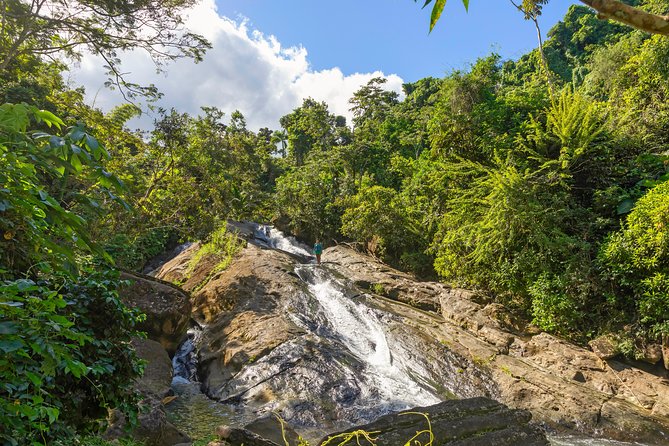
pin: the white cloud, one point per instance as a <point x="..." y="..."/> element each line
<point x="245" y="70"/>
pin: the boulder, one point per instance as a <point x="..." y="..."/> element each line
<point x="652" y="353"/>
<point x="469" y="422"/>
<point x="566" y="387"/>
<point x="258" y="350"/>
<point x="152" y="428"/>
<point x="157" y="378"/>
<point x="270" y="428"/>
<point x="605" y="347"/>
<point x="167" y="309"/>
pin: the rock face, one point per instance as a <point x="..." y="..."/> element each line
<point x="157" y="378"/>
<point x="269" y="344"/>
<point x="272" y="345"/>
<point x="167" y="309"/>
<point x="470" y="422"/>
<point x="564" y="386"/>
<point x="152" y="428"/>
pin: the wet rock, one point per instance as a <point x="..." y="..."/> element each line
<point x="270" y="428"/>
<point x="243" y="437"/>
<point x="564" y="386"/>
<point x="392" y="283"/>
<point x="475" y="421"/>
<point x="269" y="346"/>
<point x="167" y="309"/>
<point x="605" y="347"/>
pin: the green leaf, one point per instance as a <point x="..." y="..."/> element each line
<point x="14" y="117"/>
<point x="626" y="206"/>
<point x="466" y="3"/>
<point x="52" y="413"/>
<point x="48" y="118"/>
<point x="8" y="327"/>
<point x="11" y="346"/>
<point x="34" y="378"/>
<point x="76" y="163"/>
<point x="92" y="143"/>
<point x="76" y="134"/>
<point x="436" y="12"/>
<point x="648" y="183"/>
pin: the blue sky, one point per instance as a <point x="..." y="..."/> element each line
<point x="392" y="35"/>
<point x="267" y="56"/>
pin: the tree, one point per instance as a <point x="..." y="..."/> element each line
<point x="309" y="127"/>
<point x="606" y="9"/>
<point x="54" y="28"/>
<point x="63" y="364"/>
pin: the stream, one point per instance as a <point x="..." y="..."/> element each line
<point x="355" y="361"/>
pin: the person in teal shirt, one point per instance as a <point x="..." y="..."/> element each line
<point x="318" y="250"/>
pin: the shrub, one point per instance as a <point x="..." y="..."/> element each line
<point x="133" y="252"/>
<point x="66" y="356"/>
<point x="637" y="259"/>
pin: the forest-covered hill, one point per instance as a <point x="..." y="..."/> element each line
<point x="546" y="189"/>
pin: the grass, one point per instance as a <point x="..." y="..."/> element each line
<point x="223" y="245"/>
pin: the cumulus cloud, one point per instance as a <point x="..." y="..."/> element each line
<point x="245" y="70"/>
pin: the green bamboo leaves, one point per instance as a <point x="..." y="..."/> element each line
<point x="438" y="8"/>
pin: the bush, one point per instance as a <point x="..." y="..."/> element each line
<point x="64" y="334"/>
<point x="132" y="253"/>
<point x="637" y="259"/>
<point x="66" y="357"/>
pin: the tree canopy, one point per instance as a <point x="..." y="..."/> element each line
<point x="57" y="28"/>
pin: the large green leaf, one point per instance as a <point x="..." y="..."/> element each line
<point x="436" y="12"/>
<point x="14" y="117"/>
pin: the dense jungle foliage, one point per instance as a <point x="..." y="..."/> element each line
<point x="553" y="200"/>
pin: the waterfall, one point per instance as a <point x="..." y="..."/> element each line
<point x="184" y="362"/>
<point x="353" y="361"/>
<point x="363" y="332"/>
<point x="273" y="238"/>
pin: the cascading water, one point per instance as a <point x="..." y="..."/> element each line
<point x="362" y="331"/>
<point x="184" y="362"/>
<point x="353" y="360"/>
<point x="276" y="239"/>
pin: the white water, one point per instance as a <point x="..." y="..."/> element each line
<point x="278" y="240"/>
<point x="184" y="362"/>
<point x="362" y="332"/>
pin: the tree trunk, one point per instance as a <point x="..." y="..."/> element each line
<point x="620" y="12"/>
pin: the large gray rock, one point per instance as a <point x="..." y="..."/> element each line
<point x="476" y="421"/>
<point x="157" y="378"/>
<point x="566" y="387"/>
<point x="153" y="428"/>
<point x="167" y="308"/>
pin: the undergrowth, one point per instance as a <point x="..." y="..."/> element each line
<point x="223" y="245"/>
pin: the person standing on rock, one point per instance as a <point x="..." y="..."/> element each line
<point x="318" y="250"/>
